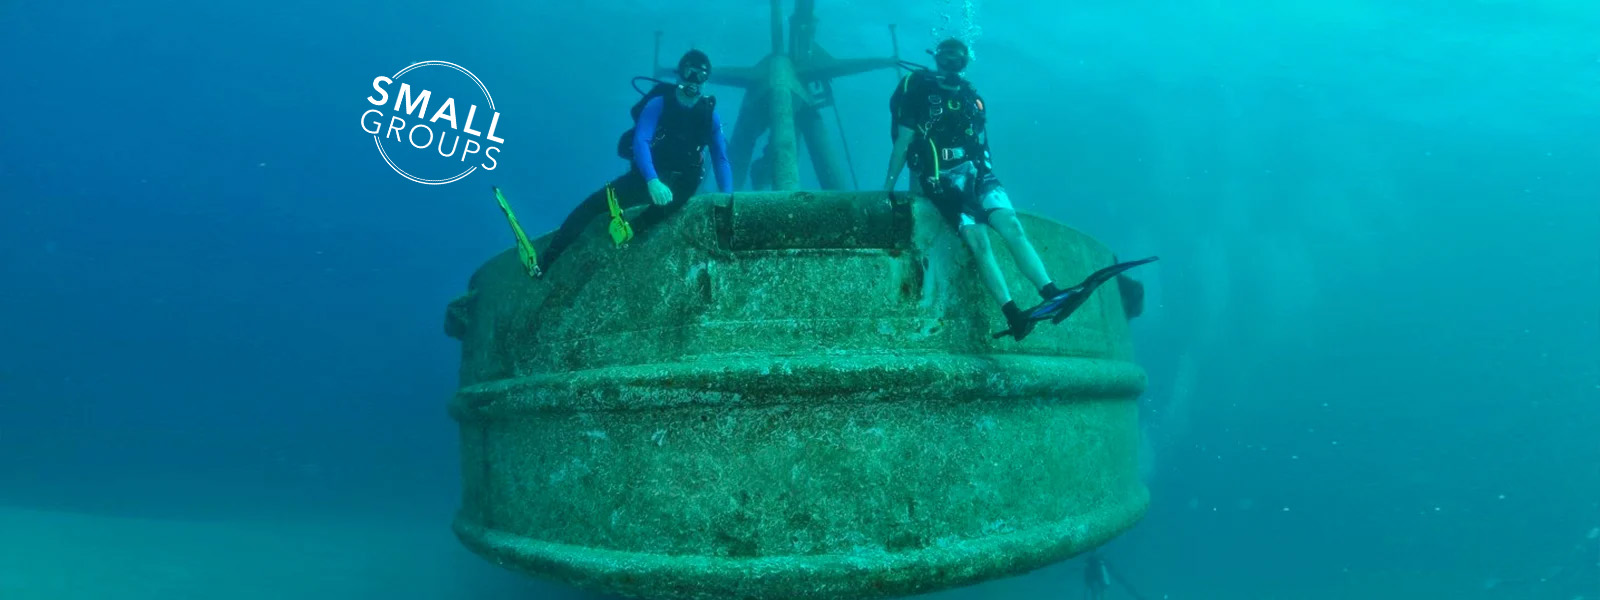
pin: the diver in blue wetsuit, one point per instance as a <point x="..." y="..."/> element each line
<point x="675" y="123"/>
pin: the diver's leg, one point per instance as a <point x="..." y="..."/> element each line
<point x="631" y="191"/>
<point x="975" y="237"/>
<point x="978" y="240"/>
<point x="580" y="217"/>
<point x="1003" y="217"/>
<point x="1006" y="223"/>
<point x="947" y="206"/>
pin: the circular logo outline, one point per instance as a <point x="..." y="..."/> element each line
<point x="379" y="142"/>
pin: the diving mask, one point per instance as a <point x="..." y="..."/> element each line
<point x="692" y="78"/>
<point x="951" y="56"/>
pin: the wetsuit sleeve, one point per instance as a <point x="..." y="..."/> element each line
<point x="719" y="156"/>
<point x="643" y="132"/>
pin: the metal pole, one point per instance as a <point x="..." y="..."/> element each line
<point x="845" y="143"/>
<point x="820" y="145"/>
<point x="750" y="124"/>
<point x="655" y="65"/>
<point x="777" y="27"/>
<point x="894" y="39"/>
<point x="783" y="145"/>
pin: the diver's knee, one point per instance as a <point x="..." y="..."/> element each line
<point x="975" y="237"/>
<point x="1005" y="222"/>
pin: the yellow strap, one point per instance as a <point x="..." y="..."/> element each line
<point x="525" y="253"/>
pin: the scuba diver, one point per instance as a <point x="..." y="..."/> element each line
<point x="938" y="132"/>
<point x="1096" y="578"/>
<point x="674" y="123"/>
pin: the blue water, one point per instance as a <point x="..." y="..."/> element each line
<point x="1373" y="339"/>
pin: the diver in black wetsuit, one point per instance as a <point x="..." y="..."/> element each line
<point x="1096" y="578"/>
<point x="939" y="133"/>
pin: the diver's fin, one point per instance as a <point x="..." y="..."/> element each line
<point x="1068" y="303"/>
<point x="1012" y="332"/>
<point x="1080" y="293"/>
<point x="1044" y="311"/>
<point x="621" y="231"/>
<point x="1020" y="321"/>
<point x="1058" y="308"/>
<point x="1054" y="305"/>
<point x="530" y="259"/>
<point x="1103" y="275"/>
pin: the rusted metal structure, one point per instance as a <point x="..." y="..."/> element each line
<point x="786" y="94"/>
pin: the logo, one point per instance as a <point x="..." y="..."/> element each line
<point x="438" y="147"/>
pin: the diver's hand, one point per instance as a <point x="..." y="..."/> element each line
<point x="659" y="192"/>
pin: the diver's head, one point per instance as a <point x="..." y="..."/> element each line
<point x="951" y="57"/>
<point x="693" y="71"/>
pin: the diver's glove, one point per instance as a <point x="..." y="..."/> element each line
<point x="659" y="192"/>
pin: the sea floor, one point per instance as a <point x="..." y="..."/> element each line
<point x="66" y="556"/>
<point x="56" y="555"/>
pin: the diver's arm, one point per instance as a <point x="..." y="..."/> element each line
<point x="897" y="156"/>
<point x="719" y="156"/>
<point x="643" y="132"/>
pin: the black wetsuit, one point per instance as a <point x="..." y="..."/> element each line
<point x="1096" y="578"/>
<point x="950" y="152"/>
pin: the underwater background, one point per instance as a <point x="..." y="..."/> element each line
<point x="1373" y="339"/>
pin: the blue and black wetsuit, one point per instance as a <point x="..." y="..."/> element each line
<point x="680" y="134"/>
<point x="669" y="143"/>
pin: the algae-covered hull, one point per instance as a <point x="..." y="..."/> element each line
<point x="789" y="395"/>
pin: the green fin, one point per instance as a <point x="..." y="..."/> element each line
<point x="530" y="260"/>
